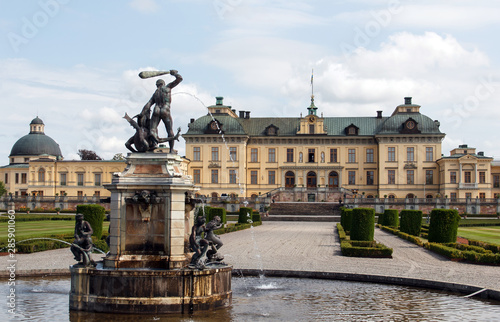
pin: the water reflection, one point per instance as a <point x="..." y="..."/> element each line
<point x="272" y="299"/>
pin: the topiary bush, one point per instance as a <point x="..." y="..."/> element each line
<point x="346" y="218"/>
<point x="203" y="211"/>
<point x="391" y="218"/>
<point x="256" y="217"/>
<point x="443" y="226"/>
<point x="363" y="224"/>
<point x="221" y="212"/>
<point x="411" y="222"/>
<point x="245" y="215"/>
<point x="95" y="215"/>
<point x="380" y="218"/>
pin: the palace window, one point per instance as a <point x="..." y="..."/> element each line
<point x="429" y="154"/>
<point x="453" y="195"/>
<point x="253" y="177"/>
<point x="62" y="179"/>
<point x="197" y="175"/>
<point x="482" y="177"/>
<point x="351" y="155"/>
<point x="310" y="155"/>
<point x="215" y="153"/>
<point x="41" y="175"/>
<point x="482" y="195"/>
<point x="232" y="153"/>
<point x="467" y="177"/>
<point x="429" y="177"/>
<point x="196" y="153"/>
<point x="370" y="177"/>
<point x="453" y="177"/>
<point x="496" y="181"/>
<point x="351" y="176"/>
<point x="369" y="155"/>
<point x="17" y="178"/>
<point x="272" y="177"/>
<point x="333" y="155"/>
<point x="391" y="177"/>
<point x="289" y="155"/>
<point x="215" y="175"/>
<point x="391" y="154"/>
<point x="79" y="177"/>
<point x="24" y="177"/>
<point x="97" y="179"/>
<point x="254" y="155"/>
<point x="410" y="177"/>
<point x="272" y="155"/>
<point x="410" y="154"/>
<point x="232" y="176"/>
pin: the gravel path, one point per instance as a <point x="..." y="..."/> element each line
<point x="306" y="246"/>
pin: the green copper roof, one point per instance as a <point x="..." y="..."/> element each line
<point x="36" y="144"/>
<point x="335" y="126"/>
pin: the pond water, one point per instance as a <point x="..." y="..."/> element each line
<point x="272" y="299"/>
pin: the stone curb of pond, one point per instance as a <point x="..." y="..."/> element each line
<point x="352" y="277"/>
<point x="468" y="290"/>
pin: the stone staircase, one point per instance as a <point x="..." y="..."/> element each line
<point x="304" y="211"/>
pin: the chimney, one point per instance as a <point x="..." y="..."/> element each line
<point x="379" y="114"/>
<point x="218" y="100"/>
<point x="234" y="111"/>
<point x="407" y="100"/>
<point x="481" y="153"/>
<point x="247" y="114"/>
<point x="191" y="121"/>
<point x="242" y="114"/>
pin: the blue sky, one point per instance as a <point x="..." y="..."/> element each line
<point x="75" y="63"/>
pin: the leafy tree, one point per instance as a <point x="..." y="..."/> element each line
<point x="2" y="189"/>
<point x="118" y="157"/>
<point x="88" y="155"/>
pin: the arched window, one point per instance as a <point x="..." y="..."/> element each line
<point x="214" y="195"/>
<point x="428" y="196"/>
<point x="333" y="179"/>
<point x="289" y="179"/>
<point x="311" y="179"/>
<point x="253" y="196"/>
<point x="392" y="196"/>
<point x="41" y="175"/>
<point x="410" y="196"/>
<point x="369" y="197"/>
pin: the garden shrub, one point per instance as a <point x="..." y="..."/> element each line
<point x="203" y="211"/>
<point x="443" y="226"/>
<point x="363" y="224"/>
<point x="346" y="219"/>
<point x="214" y="211"/>
<point x="364" y="249"/>
<point x="341" y="232"/>
<point x="245" y="215"/>
<point x="391" y="218"/>
<point x="485" y="245"/>
<point x="256" y="217"/>
<point x="411" y="222"/>
<point x="380" y="218"/>
<point x="95" y="215"/>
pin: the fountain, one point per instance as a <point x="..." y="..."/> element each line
<point x="147" y="268"/>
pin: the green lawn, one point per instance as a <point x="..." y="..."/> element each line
<point x="489" y="234"/>
<point x="42" y="228"/>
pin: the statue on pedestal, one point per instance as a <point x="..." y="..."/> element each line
<point x="204" y="243"/>
<point x="82" y="246"/>
<point x="146" y="137"/>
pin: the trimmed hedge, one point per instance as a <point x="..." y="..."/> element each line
<point x="363" y="224"/>
<point x="221" y="212"/>
<point x="443" y="226"/>
<point x="451" y="251"/>
<point x="411" y="222"/>
<point x="380" y="217"/>
<point x="341" y="232"/>
<point x="391" y="218"/>
<point x="346" y="218"/>
<point x="38" y="217"/>
<point x="365" y="249"/>
<point x="485" y="245"/>
<point x="256" y="217"/>
<point x="95" y="215"/>
<point x="236" y="227"/>
<point x="203" y="211"/>
<point x="245" y="215"/>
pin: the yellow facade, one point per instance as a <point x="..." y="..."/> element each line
<point x="396" y="157"/>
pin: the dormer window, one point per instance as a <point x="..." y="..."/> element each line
<point x="352" y="130"/>
<point x="271" y="130"/>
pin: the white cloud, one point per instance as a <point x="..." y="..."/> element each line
<point x="144" y="6"/>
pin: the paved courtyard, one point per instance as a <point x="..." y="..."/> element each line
<point x="311" y="247"/>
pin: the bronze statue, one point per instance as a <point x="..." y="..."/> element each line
<point x="82" y="246"/>
<point x="205" y="243"/>
<point x="213" y="239"/>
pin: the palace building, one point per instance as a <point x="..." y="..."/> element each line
<point x="316" y="158"/>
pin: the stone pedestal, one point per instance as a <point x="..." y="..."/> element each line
<point x="149" y="233"/>
<point x="145" y="269"/>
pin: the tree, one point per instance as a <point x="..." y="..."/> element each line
<point x="118" y="157"/>
<point x="2" y="189"/>
<point x="88" y="155"/>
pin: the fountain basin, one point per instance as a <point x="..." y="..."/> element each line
<point x="149" y="290"/>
